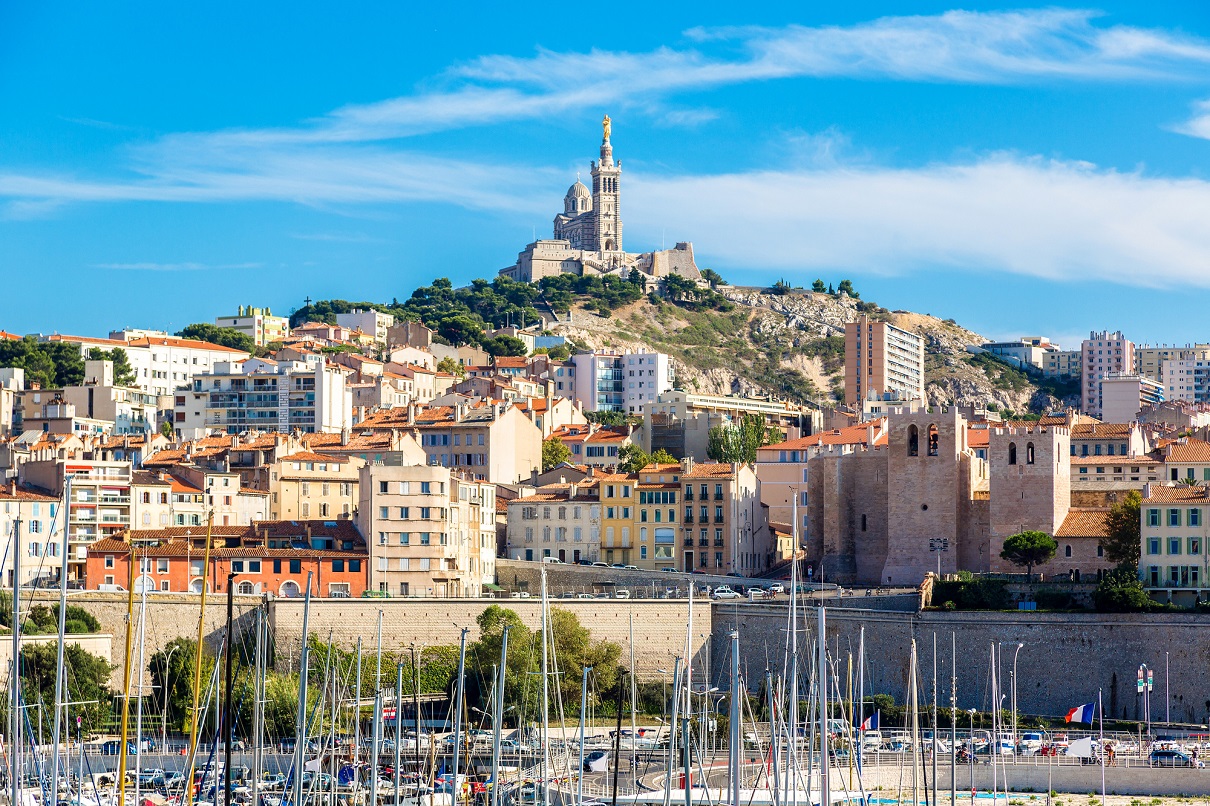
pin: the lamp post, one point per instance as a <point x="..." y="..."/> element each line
<point x="164" y="710"/>
<point x="1014" y="682"/>
<point x="974" y="758"/>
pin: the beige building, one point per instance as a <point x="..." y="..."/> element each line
<point x="723" y="529"/>
<point x="881" y="359"/>
<point x="1102" y="354"/>
<point x="39" y="534"/>
<point x="562" y="521"/>
<point x="1149" y="359"/>
<point x="308" y="485"/>
<point x="1062" y="364"/>
<point x="259" y="323"/>
<point x="431" y="531"/>
<point x="1173" y="535"/>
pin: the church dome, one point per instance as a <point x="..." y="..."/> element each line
<point x="578" y="199"/>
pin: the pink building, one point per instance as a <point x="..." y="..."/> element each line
<point x="1101" y="354"/>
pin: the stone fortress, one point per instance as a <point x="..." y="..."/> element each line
<point x="588" y="234"/>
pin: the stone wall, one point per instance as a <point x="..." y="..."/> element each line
<point x="1066" y="657"/>
<point x="519" y="575"/>
<point x="659" y="625"/>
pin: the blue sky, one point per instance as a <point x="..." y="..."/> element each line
<point x="1036" y="170"/>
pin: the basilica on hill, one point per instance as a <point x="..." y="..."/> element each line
<point x="588" y="233"/>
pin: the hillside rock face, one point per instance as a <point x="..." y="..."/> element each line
<point x="770" y="337"/>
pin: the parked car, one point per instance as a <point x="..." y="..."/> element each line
<point x="777" y="587"/>
<point x="621" y="594"/>
<point x="1173" y="758"/>
<point x="583" y="562"/>
<point x="724" y="592"/>
<point x="552" y="561"/>
<point x="585" y="596"/>
<point x="631" y="567"/>
<point x="599" y="564"/>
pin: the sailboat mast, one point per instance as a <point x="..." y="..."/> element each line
<point x="672" y="715"/>
<point x="821" y="677"/>
<point x="375" y="731"/>
<point x="128" y="660"/>
<point x="229" y="679"/>
<point x="14" y="677"/>
<point x="55" y="731"/>
<point x="300" y="738"/>
<point x="499" y="718"/>
<point x="583" y="713"/>
<point x="258" y="707"/>
<point x="736" y="716"/>
<point x="458" y="693"/>
<point x="196" y="717"/>
<point x="545" y="693"/>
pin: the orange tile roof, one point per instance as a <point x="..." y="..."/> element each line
<point x="181" y="486"/>
<point x="172" y="341"/>
<point x="1177" y="494"/>
<point x="513" y="362"/>
<point x="308" y="456"/>
<point x="849" y="435"/>
<point x="1188" y="450"/>
<point x="88" y="339"/>
<point x="14" y="492"/>
<point x="1115" y="460"/>
<point x="4" y="334"/>
<point x="1084" y="523"/>
<point x="978" y="437"/>
<point x="708" y="470"/>
<point x="1100" y="430"/>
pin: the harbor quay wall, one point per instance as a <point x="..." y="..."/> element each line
<point x="1025" y="777"/>
<point x="659" y="625"/>
<point x="1065" y="659"/>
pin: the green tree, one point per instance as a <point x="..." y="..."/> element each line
<point x="1120" y="591"/>
<point x="171" y="672"/>
<point x="87" y="679"/>
<point x="123" y="372"/>
<point x="504" y="346"/>
<point x="738" y="442"/>
<point x="846" y="287"/>
<point x="663" y="457"/>
<point x="49" y="364"/>
<point x="559" y="353"/>
<point x="713" y="277"/>
<point x="554" y="453"/>
<point x="819" y="286"/>
<point x="632" y="458"/>
<point x="223" y="336"/>
<point x="451" y="366"/>
<point x="166" y="429"/>
<point x="605" y="417"/>
<point x="1029" y="548"/>
<point x="1123" y="531"/>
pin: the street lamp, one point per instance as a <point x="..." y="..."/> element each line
<point x="974" y="758"/>
<point x="164" y="710"/>
<point x="1014" y="682"/>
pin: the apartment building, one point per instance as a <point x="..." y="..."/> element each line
<point x="723" y="530"/>
<point x="307" y="485"/>
<point x="1063" y="364"/>
<point x="626" y="382"/>
<point x="107" y="407"/>
<point x="257" y="323"/>
<point x="1102" y="354"/>
<point x="594" y="445"/>
<point x="1026" y="353"/>
<point x="881" y="358"/>
<point x="38" y="524"/>
<point x="12" y="384"/>
<point x="291" y="396"/>
<point x="680" y="422"/>
<point x="562" y="521"/>
<point x="368" y="321"/>
<point x="431" y="530"/>
<point x="619" y="500"/>
<point x="1173" y="536"/>
<point x="1150" y="360"/>
<point x="277" y="557"/>
<point x="100" y="499"/>
<point x="1124" y="394"/>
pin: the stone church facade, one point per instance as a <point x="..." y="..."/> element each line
<point x="588" y="234"/>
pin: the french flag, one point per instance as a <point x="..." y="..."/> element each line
<point x="871" y="722"/>
<point x="1083" y="713"/>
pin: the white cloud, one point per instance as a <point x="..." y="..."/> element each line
<point x="1043" y="219"/>
<point x="1199" y="124"/>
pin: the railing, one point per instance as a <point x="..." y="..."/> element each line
<point x="687" y="519"/>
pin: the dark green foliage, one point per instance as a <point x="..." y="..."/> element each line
<point x="224" y="336"/>
<point x="846" y="287"/>
<point x="974" y="594"/>
<point x="607" y="292"/>
<point x="1121" y="544"/>
<point x="1120" y="591"/>
<point x="503" y="345"/>
<point x="87" y="679"/>
<point x="738" y="442"/>
<point x="1054" y="599"/>
<point x="687" y="294"/>
<point x="123" y="373"/>
<point x="602" y="417"/>
<point x="713" y="277"/>
<point x="554" y="453"/>
<point x="780" y="287"/>
<point x="829" y="350"/>
<point x="50" y="364"/>
<point x="819" y="286"/>
<point x="632" y="458"/>
<point x="166" y="429"/>
<point x="43" y="620"/>
<point x="558" y="353"/>
<point x="1029" y="548"/>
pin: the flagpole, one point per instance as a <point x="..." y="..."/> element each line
<point x="1101" y="733"/>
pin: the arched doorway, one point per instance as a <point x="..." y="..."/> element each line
<point x="144" y="584"/>
<point x="245" y="587"/>
<point x="195" y="585"/>
<point x="290" y="590"/>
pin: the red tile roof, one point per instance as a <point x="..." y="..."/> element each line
<point x="849" y="435"/>
<point x="309" y="456"/>
<point x="1178" y="494"/>
<point x="708" y="470"/>
<point x="172" y="341"/>
<point x="1188" y="451"/>
<point x="1084" y="523"/>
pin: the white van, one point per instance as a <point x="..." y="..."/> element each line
<point x="552" y="561"/>
<point x="621" y="594"/>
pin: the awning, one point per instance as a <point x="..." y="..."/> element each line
<point x="491" y="586"/>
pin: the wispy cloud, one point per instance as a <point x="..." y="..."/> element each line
<point x="1198" y="124"/>
<point x="146" y="266"/>
<point x="1025" y="216"/>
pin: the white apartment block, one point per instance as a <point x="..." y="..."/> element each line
<point x="624" y="382"/>
<point x="881" y="359"/>
<point x="1150" y="359"/>
<point x="290" y="396"/>
<point x="1123" y="394"/>
<point x="161" y="363"/>
<point x="370" y="322"/>
<point x="431" y="531"/>
<point x="1101" y="354"/>
<point x="258" y="323"/>
<point x="1187" y="379"/>
<point x="562" y="521"/>
<point x="39" y="525"/>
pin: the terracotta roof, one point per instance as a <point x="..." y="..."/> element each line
<point x="172" y="341"/>
<point x="586" y="490"/>
<point x="6" y="336"/>
<point x="308" y="456"/>
<point x="144" y="479"/>
<point x="1179" y="493"/>
<point x="86" y="339"/>
<point x="14" y="492"/>
<point x="181" y="486"/>
<point x="849" y="435"/>
<point x="513" y="362"/>
<point x="1115" y="460"/>
<point x="1188" y="450"/>
<point x="1084" y="523"/>
<point x="978" y="437"/>
<point x="609" y="435"/>
<point x="1100" y="430"/>
<point x="708" y="470"/>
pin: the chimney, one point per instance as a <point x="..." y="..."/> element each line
<point x="572" y="491"/>
<point x="344" y="435"/>
<point x="411" y="413"/>
<point x="459" y="412"/>
<point x="235" y="440"/>
<point x="1147" y="490"/>
<point x="869" y="436"/>
<point x="687" y="464"/>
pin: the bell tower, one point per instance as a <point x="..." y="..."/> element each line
<point x="606" y="206"/>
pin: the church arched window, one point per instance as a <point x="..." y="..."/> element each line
<point x="1012" y="453"/>
<point x="913" y="441"/>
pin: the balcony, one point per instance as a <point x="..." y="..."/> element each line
<point x="115" y="499"/>
<point x="718" y="518"/>
<point x="703" y="542"/>
<point x="688" y="542"/>
<point x="688" y="495"/>
<point x="688" y="519"/>
<point x="718" y="496"/>
<point x="718" y="544"/>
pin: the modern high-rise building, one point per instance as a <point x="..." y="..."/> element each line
<point x="1149" y="359"/>
<point x="259" y="323"/>
<point x="1101" y="354"/>
<point x="881" y="359"/>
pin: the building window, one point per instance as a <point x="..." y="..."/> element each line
<point x="1153" y="545"/>
<point x="1174" y="545"/>
<point x="1195" y="517"/>
<point x="253" y="566"/>
<point x="1174" y="517"/>
<point x="1029" y="453"/>
<point x="913" y="441"/>
<point x="295" y="566"/>
<point x="1067" y="551"/>
<point x="109" y="561"/>
<point x="338" y="566"/>
<point x="1012" y="453"/>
